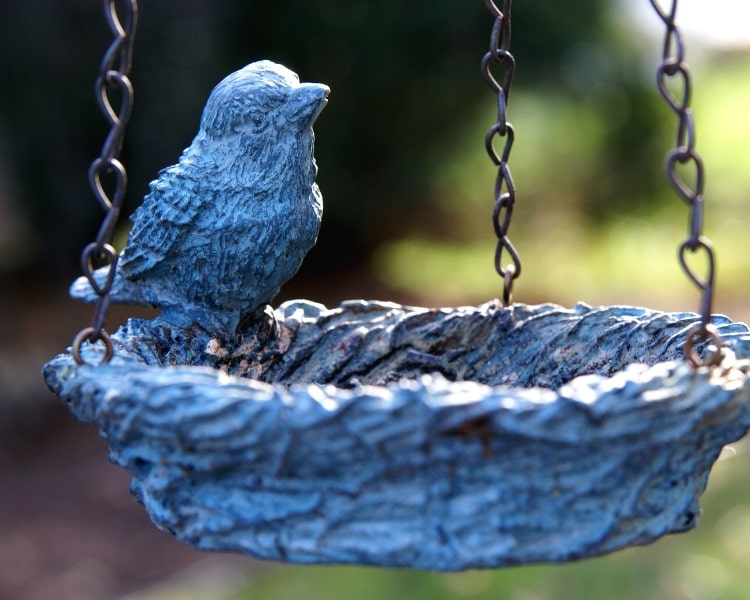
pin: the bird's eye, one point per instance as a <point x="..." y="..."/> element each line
<point x="251" y="123"/>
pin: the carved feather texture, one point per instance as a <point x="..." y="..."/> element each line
<point x="222" y="230"/>
<point x="565" y="434"/>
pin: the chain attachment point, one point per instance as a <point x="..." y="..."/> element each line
<point x="508" y="278"/>
<point x="90" y="334"/>
<point x="703" y="333"/>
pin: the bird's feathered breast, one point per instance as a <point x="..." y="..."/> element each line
<point x="224" y="228"/>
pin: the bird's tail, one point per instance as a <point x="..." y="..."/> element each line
<point x="123" y="291"/>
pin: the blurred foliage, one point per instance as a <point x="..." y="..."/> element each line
<point x="405" y="82"/>
<point x="628" y="258"/>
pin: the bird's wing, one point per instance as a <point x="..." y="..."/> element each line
<point x="162" y="221"/>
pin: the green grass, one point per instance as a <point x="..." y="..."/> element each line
<point x="628" y="262"/>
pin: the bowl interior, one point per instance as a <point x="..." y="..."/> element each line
<point x="365" y="342"/>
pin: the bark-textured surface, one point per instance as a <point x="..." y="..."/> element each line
<point x="440" y="439"/>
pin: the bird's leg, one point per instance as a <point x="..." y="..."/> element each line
<point x="268" y="318"/>
<point x="261" y="322"/>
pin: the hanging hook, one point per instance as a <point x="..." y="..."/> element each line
<point x="508" y="279"/>
<point x="703" y="333"/>
<point x="90" y="334"/>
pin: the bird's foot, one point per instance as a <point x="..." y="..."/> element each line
<point x="261" y="323"/>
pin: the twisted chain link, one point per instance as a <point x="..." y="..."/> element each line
<point x="113" y="80"/>
<point x="674" y="70"/>
<point x="499" y="56"/>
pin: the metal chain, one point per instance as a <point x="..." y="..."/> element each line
<point x="499" y="54"/>
<point x="113" y="79"/>
<point x="673" y="69"/>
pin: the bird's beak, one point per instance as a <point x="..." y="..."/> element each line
<point x="307" y="101"/>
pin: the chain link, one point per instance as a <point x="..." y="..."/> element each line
<point x="673" y="70"/>
<point x="113" y="80"/>
<point x="114" y="77"/>
<point x="505" y="191"/>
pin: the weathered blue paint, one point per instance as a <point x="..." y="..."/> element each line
<point x="225" y="227"/>
<point x="417" y="471"/>
<point x="376" y="433"/>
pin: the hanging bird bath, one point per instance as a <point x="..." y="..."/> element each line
<point x="444" y="439"/>
<point x="382" y="434"/>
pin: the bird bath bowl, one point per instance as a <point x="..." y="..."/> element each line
<point x="447" y="439"/>
<point x="374" y="433"/>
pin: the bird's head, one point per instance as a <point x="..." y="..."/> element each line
<point x="260" y="95"/>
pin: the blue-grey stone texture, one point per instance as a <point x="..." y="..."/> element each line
<point x="224" y="228"/>
<point x="376" y="433"/>
<point x="447" y="439"/>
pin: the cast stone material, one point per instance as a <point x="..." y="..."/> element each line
<point x="224" y="228"/>
<point x="377" y="433"/>
<point x="448" y="439"/>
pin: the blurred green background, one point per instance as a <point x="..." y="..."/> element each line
<point x="408" y="199"/>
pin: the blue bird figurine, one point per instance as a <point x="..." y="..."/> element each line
<point x="222" y="230"/>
